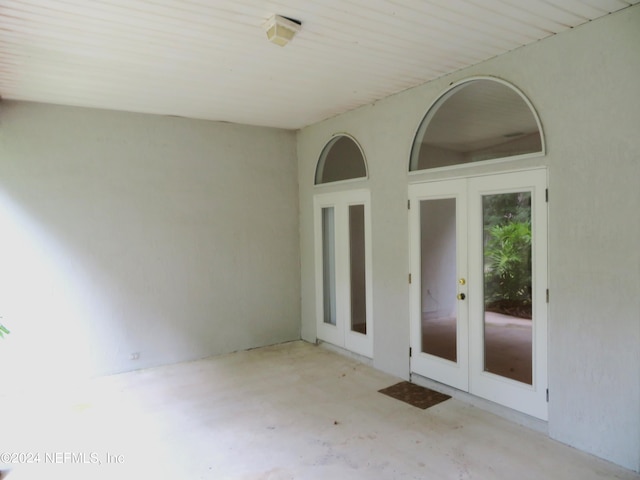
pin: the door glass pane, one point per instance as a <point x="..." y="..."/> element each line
<point x="507" y="285"/>
<point x="356" y="260"/>
<point x="329" y="265"/>
<point x="438" y="277"/>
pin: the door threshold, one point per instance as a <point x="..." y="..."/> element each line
<point x="505" y="412"/>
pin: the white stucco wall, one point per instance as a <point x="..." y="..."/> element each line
<point x="583" y="84"/>
<point x="124" y="233"/>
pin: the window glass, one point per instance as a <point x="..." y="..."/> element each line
<point x="329" y="265"/>
<point x="357" y="265"/>
<point x="477" y="120"/>
<point x="341" y="159"/>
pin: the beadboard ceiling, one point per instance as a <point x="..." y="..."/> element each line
<point x="210" y="59"/>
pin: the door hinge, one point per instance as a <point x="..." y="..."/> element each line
<point x="546" y="195"/>
<point x="408" y="204"/>
<point x="547" y="395"/>
<point x="409" y="279"/>
<point x="547" y="295"/>
<point x="410" y="352"/>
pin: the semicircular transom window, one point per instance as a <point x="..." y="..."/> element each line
<point x="341" y="159"/>
<point x="481" y="119"/>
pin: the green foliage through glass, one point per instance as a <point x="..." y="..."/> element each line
<point x="507" y="253"/>
<point x="3" y="331"/>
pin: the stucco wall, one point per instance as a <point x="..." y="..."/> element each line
<point x="125" y="233"/>
<point x="583" y="84"/>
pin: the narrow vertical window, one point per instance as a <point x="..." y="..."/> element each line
<point x="357" y="269"/>
<point x="508" y="280"/>
<point x="329" y="265"/>
<point x="438" y="278"/>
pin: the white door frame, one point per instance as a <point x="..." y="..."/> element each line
<point x="455" y="374"/>
<point x="341" y="334"/>
<point x="529" y="399"/>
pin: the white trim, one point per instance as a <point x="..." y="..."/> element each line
<point x="327" y="186"/>
<point x="529" y="399"/>
<point x="423" y="176"/>
<point x="492" y="161"/>
<point x="340" y="334"/>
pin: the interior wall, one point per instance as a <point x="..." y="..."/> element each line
<point x="123" y="234"/>
<point x="583" y="85"/>
<point x="438" y="257"/>
<point x="519" y="146"/>
<point x="431" y="156"/>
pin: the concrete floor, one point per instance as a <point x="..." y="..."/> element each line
<point x="293" y="411"/>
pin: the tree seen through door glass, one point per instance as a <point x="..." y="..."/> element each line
<point x="507" y="285"/>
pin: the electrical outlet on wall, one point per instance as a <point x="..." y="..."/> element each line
<point x="134" y="356"/>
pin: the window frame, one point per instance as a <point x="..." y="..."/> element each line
<point x="443" y="97"/>
<point x="323" y="156"/>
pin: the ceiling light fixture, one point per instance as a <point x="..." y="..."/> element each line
<point x="280" y="30"/>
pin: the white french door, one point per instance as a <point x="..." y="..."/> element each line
<point x="343" y="270"/>
<point x="479" y="282"/>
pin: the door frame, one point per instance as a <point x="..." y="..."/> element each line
<point x="341" y="334"/>
<point x="529" y="399"/>
<point x="455" y="374"/>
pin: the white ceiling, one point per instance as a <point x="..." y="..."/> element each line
<point x="210" y="59"/>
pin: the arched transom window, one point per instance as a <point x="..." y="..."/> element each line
<point x="476" y="120"/>
<point x="341" y="159"/>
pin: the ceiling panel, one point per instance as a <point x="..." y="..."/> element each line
<point x="210" y="59"/>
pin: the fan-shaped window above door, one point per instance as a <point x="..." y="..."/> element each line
<point x="341" y="159"/>
<point x="476" y="120"/>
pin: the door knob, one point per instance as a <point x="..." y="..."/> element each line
<point x="461" y="296"/>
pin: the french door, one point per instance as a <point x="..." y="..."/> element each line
<point x="343" y="270"/>
<point x="479" y="283"/>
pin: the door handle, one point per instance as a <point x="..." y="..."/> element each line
<point x="461" y="296"/>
